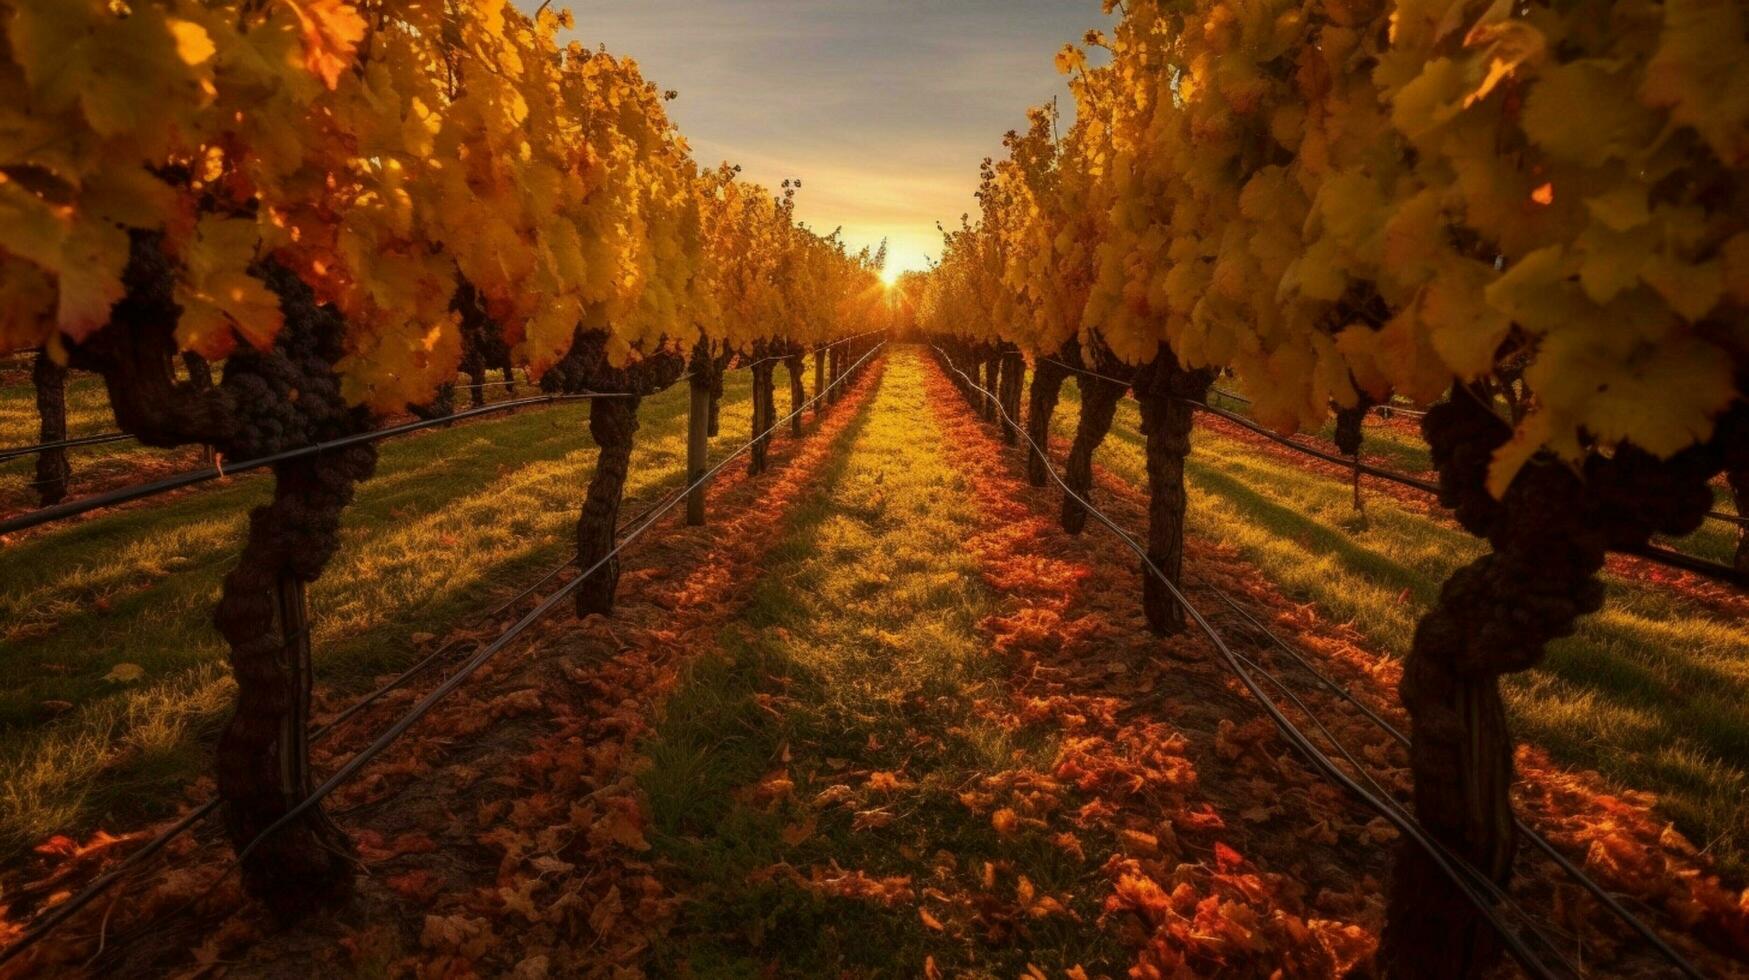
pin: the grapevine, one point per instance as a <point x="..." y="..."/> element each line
<point x="345" y="203"/>
<point x="1532" y="216"/>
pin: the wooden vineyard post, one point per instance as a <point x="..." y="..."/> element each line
<point x="200" y="377"/>
<point x="1739" y="480"/>
<point x="1349" y="436"/>
<point x="697" y="446"/>
<point x="52" y="469"/>
<point x="290" y="596"/>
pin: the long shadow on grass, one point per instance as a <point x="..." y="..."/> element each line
<point x="1295" y="526"/>
<point x="1648" y="692"/>
<point x="137" y="586"/>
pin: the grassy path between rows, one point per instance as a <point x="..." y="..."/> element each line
<point x="454" y="520"/>
<point x="824" y="754"/>
<point x="1649" y="692"/>
<point x="500" y="835"/>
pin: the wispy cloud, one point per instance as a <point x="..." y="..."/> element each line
<point x="883" y="107"/>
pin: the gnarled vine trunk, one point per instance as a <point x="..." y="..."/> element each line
<point x="1099" y="398"/>
<point x="1349" y="436"/>
<point x="819" y="375"/>
<point x="441" y="405"/>
<point x="699" y="368"/>
<point x="612" y="424"/>
<point x="1165" y="391"/>
<point x="798" y="394"/>
<point x="269" y="401"/>
<point x="837" y="370"/>
<point x="764" y="410"/>
<point x="991" y="360"/>
<point x="719" y="366"/>
<point x="200" y="370"/>
<point x="1549" y="536"/>
<point x="1047" y="386"/>
<point x="1012" y="372"/>
<point x="288" y="397"/>
<point x="474" y="366"/>
<point x="52" y="469"/>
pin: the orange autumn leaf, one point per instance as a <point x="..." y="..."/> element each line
<point x="331" y="32"/>
<point x="622" y="828"/>
<point x="798" y="832"/>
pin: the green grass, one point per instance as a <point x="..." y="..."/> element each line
<point x="88" y="414"/>
<point x="452" y="519"/>
<point x="1650" y="692"/>
<point x="860" y="652"/>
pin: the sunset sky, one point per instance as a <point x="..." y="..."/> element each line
<point x="883" y="107"/>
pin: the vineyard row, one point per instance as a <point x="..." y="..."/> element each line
<point x="1490" y="901"/>
<point x="596" y="582"/>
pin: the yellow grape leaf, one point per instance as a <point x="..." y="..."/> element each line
<point x="1510" y="43"/>
<point x="1691" y="289"/>
<point x="29" y="227"/>
<point x="1609" y="260"/>
<point x="1701" y="73"/>
<point x="1667" y="400"/>
<point x="1319" y="273"/>
<point x="129" y="74"/>
<point x="1662" y="397"/>
<point x="131" y="196"/>
<point x="1431" y="99"/>
<point x="220" y="299"/>
<point x="1537" y="292"/>
<point x="1527" y="440"/>
<point x="93" y="257"/>
<point x="1585" y="111"/>
<point x="1359" y="354"/>
<point x="1622" y="206"/>
<point x="1414" y="242"/>
<point x="1463" y="328"/>
<point x="27" y="303"/>
<point x="398" y="360"/>
<point x="1403" y="354"/>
